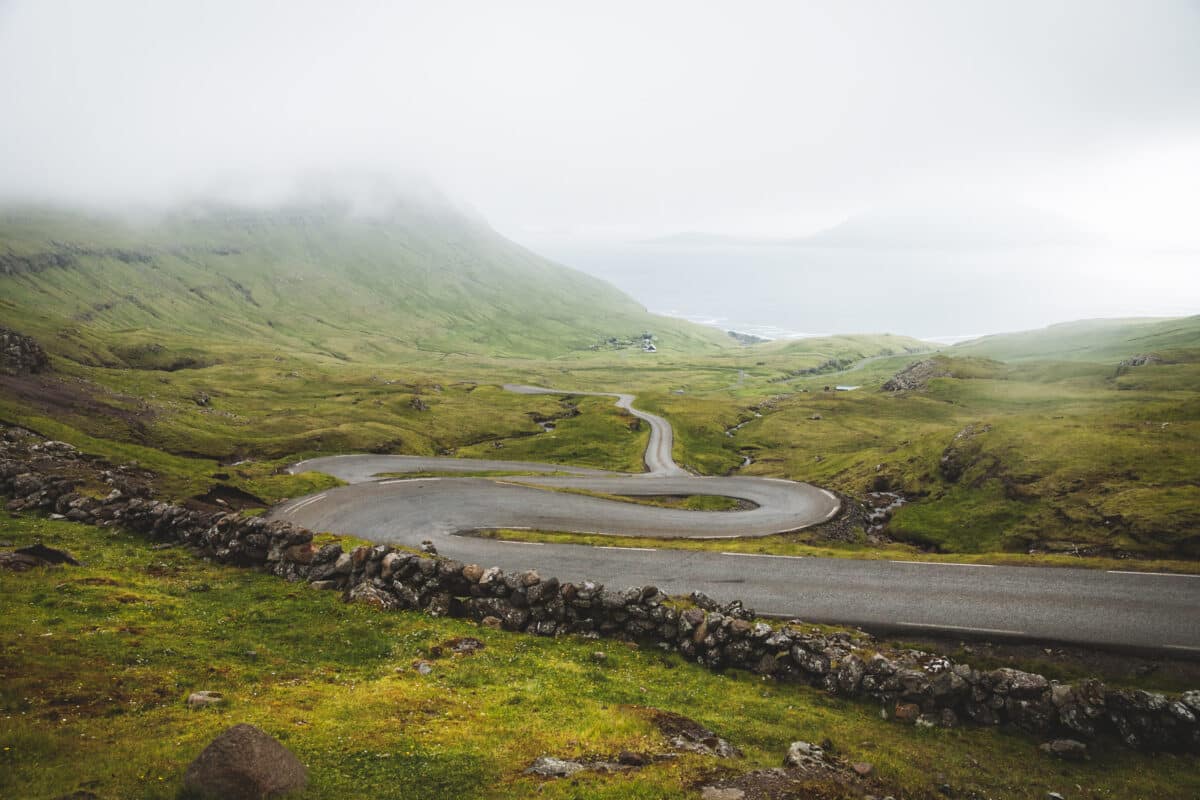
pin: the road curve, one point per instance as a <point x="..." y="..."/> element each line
<point x="1155" y="612"/>
<point x="658" y="458"/>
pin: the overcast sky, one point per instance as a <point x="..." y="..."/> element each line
<point x="612" y="120"/>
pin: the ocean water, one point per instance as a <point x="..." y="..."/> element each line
<point x="944" y="295"/>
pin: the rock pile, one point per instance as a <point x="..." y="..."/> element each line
<point x="1140" y="360"/>
<point x="910" y="685"/>
<point x="917" y="376"/>
<point x="20" y="355"/>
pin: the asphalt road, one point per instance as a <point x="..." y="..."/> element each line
<point x="1146" y="611"/>
<point x="658" y="457"/>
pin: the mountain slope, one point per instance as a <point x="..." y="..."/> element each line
<point x="312" y="278"/>
<point x="1093" y="340"/>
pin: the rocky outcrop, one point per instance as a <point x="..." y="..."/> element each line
<point x="962" y="452"/>
<point x="917" y="376"/>
<point x="808" y="770"/>
<point x="244" y="763"/>
<point x="37" y="555"/>
<point x="204" y="699"/>
<point x="21" y="355"/>
<point x="1140" y="361"/>
<point x="913" y="686"/>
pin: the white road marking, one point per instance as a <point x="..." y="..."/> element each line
<point x="759" y="555"/>
<point x="960" y="628"/>
<point x="1182" y="647"/>
<point x="1160" y="574"/>
<point x="510" y="541"/>
<point x="945" y="563"/>
<point x="304" y="503"/>
<point x="405" y="480"/>
<point x="615" y="547"/>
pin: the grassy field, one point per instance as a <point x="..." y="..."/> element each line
<point x="1063" y="456"/>
<point x="1052" y="456"/>
<point x="96" y="662"/>
<point x="224" y="343"/>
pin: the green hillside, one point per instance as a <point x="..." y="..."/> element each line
<point x="1092" y="340"/>
<point x="314" y="278"/>
<point x="214" y="335"/>
<point x="214" y="345"/>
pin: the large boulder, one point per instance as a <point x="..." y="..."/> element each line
<point x="35" y="555"/>
<point x="20" y="355"/>
<point x="244" y="763"/>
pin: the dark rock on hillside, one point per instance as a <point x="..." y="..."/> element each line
<point x="244" y="763"/>
<point x="962" y="452"/>
<point x="550" y="767"/>
<point x="1141" y="360"/>
<point x="1066" y="749"/>
<point x="36" y="555"/>
<point x="809" y="770"/>
<point x="917" y="376"/>
<point x="50" y="555"/>
<point x="746" y="338"/>
<point x="20" y="355"/>
<point x="689" y="736"/>
<point x="15" y="264"/>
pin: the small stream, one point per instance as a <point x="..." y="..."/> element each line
<point x="883" y="504"/>
<point x="731" y="431"/>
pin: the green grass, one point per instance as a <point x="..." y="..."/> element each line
<point x="601" y="436"/>
<point x="1091" y="340"/>
<point x="690" y="502"/>
<point x="96" y="663"/>
<point x="1074" y="458"/>
<point x="1063" y="456"/>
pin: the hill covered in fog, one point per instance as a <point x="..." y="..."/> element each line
<point x="324" y="274"/>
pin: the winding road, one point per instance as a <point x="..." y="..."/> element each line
<point x="1145" y="611"/>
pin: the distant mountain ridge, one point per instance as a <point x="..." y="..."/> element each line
<point x="947" y="226"/>
<point x="953" y="226"/>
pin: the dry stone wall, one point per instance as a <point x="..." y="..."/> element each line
<point x="911" y="686"/>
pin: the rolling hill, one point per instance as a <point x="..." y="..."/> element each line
<point x="1093" y="340"/>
